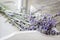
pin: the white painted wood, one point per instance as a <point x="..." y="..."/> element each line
<point x="30" y="35"/>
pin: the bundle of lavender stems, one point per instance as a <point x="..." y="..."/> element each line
<point x="44" y="25"/>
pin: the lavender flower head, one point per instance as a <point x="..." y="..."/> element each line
<point x="45" y="24"/>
